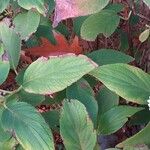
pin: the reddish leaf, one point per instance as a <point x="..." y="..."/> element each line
<point x="62" y="47"/>
<point x="74" y="8"/>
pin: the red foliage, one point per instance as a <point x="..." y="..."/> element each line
<point x="62" y="47"/>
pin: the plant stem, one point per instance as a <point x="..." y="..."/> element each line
<point x="6" y="92"/>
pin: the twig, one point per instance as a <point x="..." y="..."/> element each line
<point x="143" y="17"/>
<point x="6" y="92"/>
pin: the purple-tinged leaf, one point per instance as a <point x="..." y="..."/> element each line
<point x="74" y="8"/>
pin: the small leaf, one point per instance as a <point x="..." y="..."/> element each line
<point x="141" y="137"/>
<point x="47" y="76"/>
<point x="77" y="23"/>
<point x="52" y="119"/>
<point x="124" y="43"/>
<point x="12" y="44"/>
<point x="3" y="5"/>
<point x="140" y="118"/>
<point x="147" y="2"/>
<point x="4" y="136"/>
<point x="106" y="100"/>
<point x="26" y="23"/>
<point x="115" y="118"/>
<point x="30" y="128"/>
<point x="37" y="4"/>
<point x="109" y="56"/>
<point x="33" y="99"/>
<point x="105" y="22"/>
<point x="144" y="35"/>
<point x="8" y="145"/>
<point x="51" y="6"/>
<point x="63" y="29"/>
<point x="76" y="128"/>
<point x="127" y="81"/>
<point x="68" y="9"/>
<point x="82" y="91"/>
<point x="4" y="70"/>
<point x="44" y="31"/>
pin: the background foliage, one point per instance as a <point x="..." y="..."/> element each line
<point x="74" y="73"/>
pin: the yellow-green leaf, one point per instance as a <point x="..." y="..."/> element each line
<point x="47" y="76"/>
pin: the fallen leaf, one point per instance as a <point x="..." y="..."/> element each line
<point x="47" y="49"/>
<point x="74" y="8"/>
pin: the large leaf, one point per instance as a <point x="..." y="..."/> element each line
<point x="127" y="81"/>
<point x="30" y="128"/>
<point x="143" y="137"/>
<point x="4" y="70"/>
<point x="76" y="128"/>
<point x="84" y="93"/>
<point x="47" y="76"/>
<point x="105" y="22"/>
<point x="68" y="8"/>
<point x="26" y="23"/>
<point x="3" y="5"/>
<point x="12" y="44"/>
<point x="37" y="4"/>
<point x="106" y="100"/>
<point x="115" y="118"/>
<point x="109" y="56"/>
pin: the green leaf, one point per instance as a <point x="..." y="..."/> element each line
<point x="116" y="7"/>
<point x="77" y="23"/>
<point x="61" y="28"/>
<point x="105" y="22"/>
<point x="8" y="145"/>
<point x="19" y="147"/>
<point x="147" y="2"/>
<point x="1" y="49"/>
<point x="127" y="81"/>
<point x="26" y="23"/>
<point x="91" y="80"/>
<point x="30" y="128"/>
<point x="140" y="118"/>
<point x="142" y="137"/>
<point x="33" y="4"/>
<point x="124" y="44"/>
<point x="46" y="31"/>
<point x="76" y="128"/>
<point x="33" y="99"/>
<point x="144" y="35"/>
<point x="3" y="5"/>
<point x="57" y="99"/>
<point x="115" y="118"/>
<point x="82" y="91"/>
<point x="51" y="6"/>
<point x="4" y="136"/>
<point x="52" y="119"/>
<point x="47" y="76"/>
<point x="4" y="70"/>
<point x="109" y="56"/>
<point x="19" y="77"/>
<point x="106" y="100"/>
<point x="12" y="44"/>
